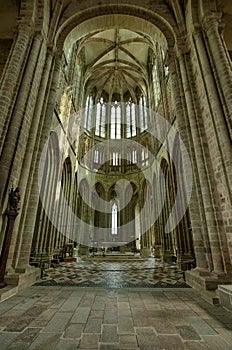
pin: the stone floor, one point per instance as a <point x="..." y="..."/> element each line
<point x="146" y="273"/>
<point x="62" y="318"/>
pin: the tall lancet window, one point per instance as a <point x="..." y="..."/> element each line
<point x="100" y="118"/>
<point x="143" y="113"/>
<point x="115" y="128"/>
<point x="130" y="119"/>
<point x="88" y="113"/>
<point x="114" y="219"/>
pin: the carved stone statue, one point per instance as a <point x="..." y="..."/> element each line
<point x="14" y="199"/>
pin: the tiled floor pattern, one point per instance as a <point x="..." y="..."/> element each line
<point x="68" y="318"/>
<point x="148" y="273"/>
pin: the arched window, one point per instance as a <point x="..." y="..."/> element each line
<point x="114" y="219"/>
<point x="115" y="158"/>
<point x="96" y="155"/>
<point x="143" y="114"/>
<point x="115" y="127"/>
<point x="130" y="119"/>
<point x="145" y="156"/>
<point x="88" y="113"/>
<point x="134" y="156"/>
<point x="156" y="84"/>
<point x="100" y="129"/>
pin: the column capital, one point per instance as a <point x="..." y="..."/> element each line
<point x="210" y="23"/>
<point x="26" y="27"/>
<point x="182" y="46"/>
<point x="52" y="50"/>
<point x="171" y="61"/>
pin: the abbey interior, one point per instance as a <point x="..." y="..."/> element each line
<point x="115" y="136"/>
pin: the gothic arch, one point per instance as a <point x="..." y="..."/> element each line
<point x="132" y="18"/>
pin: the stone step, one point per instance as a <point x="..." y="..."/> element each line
<point x="225" y="295"/>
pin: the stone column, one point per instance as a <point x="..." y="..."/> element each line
<point x="22" y="153"/>
<point x="20" y="122"/>
<point x="220" y="150"/>
<point x="10" y="81"/>
<point x="203" y="164"/>
<point x="42" y="134"/>
<point x="219" y="58"/>
<point x="180" y="112"/>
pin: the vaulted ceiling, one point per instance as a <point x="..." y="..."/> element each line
<point x="116" y="60"/>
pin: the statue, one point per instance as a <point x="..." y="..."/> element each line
<point x="12" y="212"/>
<point x="14" y="198"/>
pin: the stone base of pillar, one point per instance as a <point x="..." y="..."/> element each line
<point x="158" y="251"/>
<point x="83" y="250"/>
<point x="26" y="278"/>
<point x="8" y="292"/>
<point x="206" y="283"/>
<point x="185" y="262"/>
<point x="146" y="252"/>
<point x="167" y="256"/>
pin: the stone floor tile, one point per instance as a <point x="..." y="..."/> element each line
<point x="200" y="326"/>
<point x="74" y="330"/>
<point x="6" y="339"/>
<point x="123" y="305"/>
<point x="196" y="345"/>
<point x="18" y="324"/>
<point x="58" y="322"/>
<point x="188" y="333"/>
<point x="93" y="325"/>
<point x="58" y="302"/>
<point x="13" y="312"/>
<point x="98" y="306"/>
<point x="96" y="314"/>
<point x="147" y="338"/>
<point x="225" y="334"/>
<point x="125" y="325"/>
<point x="128" y="341"/>
<point x="109" y="334"/>
<point x="216" y="342"/>
<point x="124" y="313"/>
<point x="110" y="317"/>
<point x="43" y="318"/>
<point x="81" y="315"/>
<point x="89" y="341"/>
<point x="109" y="346"/>
<point x="169" y="342"/>
<point x="67" y="344"/>
<point x="24" y="340"/>
<point x="213" y="323"/>
<point x="122" y="297"/>
<point x="162" y="326"/>
<point x="70" y="304"/>
<point x="175" y="318"/>
<point x="46" y="341"/>
<point x="5" y="321"/>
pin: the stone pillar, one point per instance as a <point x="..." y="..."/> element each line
<point x="27" y="167"/>
<point x="10" y="80"/>
<point x="22" y="152"/>
<point x="180" y="113"/>
<point x="222" y="71"/>
<point x="220" y="151"/>
<point x="203" y="164"/>
<point x="20" y="122"/>
<point x="42" y="134"/>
